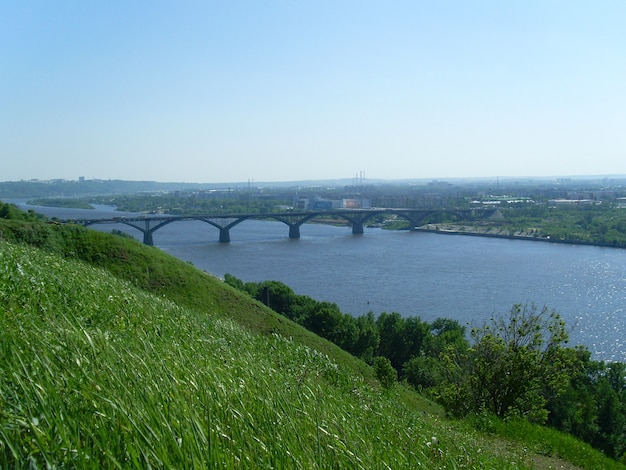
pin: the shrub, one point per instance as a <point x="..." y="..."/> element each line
<point x="385" y="373"/>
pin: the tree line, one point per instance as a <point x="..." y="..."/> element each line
<point x="240" y="202"/>
<point x="601" y="224"/>
<point x="514" y="365"/>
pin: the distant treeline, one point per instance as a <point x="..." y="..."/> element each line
<point x="517" y="364"/>
<point x="70" y="203"/>
<point x="195" y="204"/>
<point x="88" y="187"/>
<point x="602" y="224"/>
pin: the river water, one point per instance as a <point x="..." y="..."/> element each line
<point x="421" y="274"/>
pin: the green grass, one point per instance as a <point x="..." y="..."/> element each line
<point x="115" y="355"/>
<point x="153" y="270"/>
<point x="544" y="441"/>
<point x="97" y="373"/>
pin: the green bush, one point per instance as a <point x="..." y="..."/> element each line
<point x="385" y="373"/>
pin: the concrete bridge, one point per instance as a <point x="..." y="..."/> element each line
<point x="356" y="218"/>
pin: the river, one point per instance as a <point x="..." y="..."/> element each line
<point x="421" y="274"/>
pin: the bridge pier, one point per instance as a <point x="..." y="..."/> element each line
<point x="294" y="231"/>
<point x="224" y="235"/>
<point x="357" y="228"/>
<point x="147" y="238"/>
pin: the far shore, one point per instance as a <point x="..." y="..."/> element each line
<point x="493" y="232"/>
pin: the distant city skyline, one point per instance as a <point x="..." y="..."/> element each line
<point x="619" y="179"/>
<point x="216" y="92"/>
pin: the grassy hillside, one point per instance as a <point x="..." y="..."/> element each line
<point x="153" y="270"/>
<point x="136" y="359"/>
<point x="98" y="373"/>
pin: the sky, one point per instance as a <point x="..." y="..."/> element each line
<point x="234" y="91"/>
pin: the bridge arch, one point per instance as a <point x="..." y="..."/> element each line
<point x="357" y="218"/>
<point x="294" y="221"/>
<point x="146" y="226"/>
<point x="224" y="229"/>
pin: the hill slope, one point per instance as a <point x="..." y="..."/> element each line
<point x="98" y="372"/>
<point x="155" y="271"/>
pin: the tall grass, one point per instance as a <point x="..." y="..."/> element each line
<point x="543" y="441"/>
<point x="96" y="373"/>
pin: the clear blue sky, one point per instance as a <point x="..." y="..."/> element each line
<point x="289" y="90"/>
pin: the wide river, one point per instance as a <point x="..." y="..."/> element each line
<point x="420" y="274"/>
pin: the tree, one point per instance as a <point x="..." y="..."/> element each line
<point x="611" y="436"/>
<point x="385" y="372"/>
<point x="415" y="335"/>
<point x="277" y="296"/>
<point x="575" y="410"/>
<point x="423" y="371"/>
<point x="391" y="345"/>
<point x="368" y="338"/>
<point x="327" y="321"/>
<point x="444" y="333"/>
<point x="234" y="282"/>
<point x="515" y="362"/>
<point x="593" y="408"/>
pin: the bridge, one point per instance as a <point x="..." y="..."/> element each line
<point x="357" y="218"/>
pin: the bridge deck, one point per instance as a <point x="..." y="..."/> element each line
<point x="149" y="224"/>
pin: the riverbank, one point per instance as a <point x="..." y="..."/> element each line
<point x="501" y="232"/>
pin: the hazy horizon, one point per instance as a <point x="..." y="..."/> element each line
<point x="355" y="180"/>
<point x="281" y="92"/>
